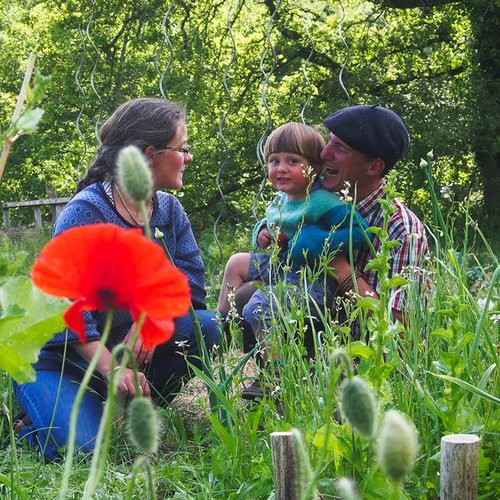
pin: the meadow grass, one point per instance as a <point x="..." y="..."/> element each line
<point x="442" y="372"/>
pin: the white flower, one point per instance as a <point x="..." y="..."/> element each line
<point x="447" y="191"/>
<point x="344" y="193"/>
<point x="307" y="171"/>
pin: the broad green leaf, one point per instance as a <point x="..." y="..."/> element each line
<point x="359" y="349"/>
<point x="29" y="120"/>
<point x="30" y="318"/>
<point x="368" y="303"/>
<point x="397" y="281"/>
<point x="333" y="437"/>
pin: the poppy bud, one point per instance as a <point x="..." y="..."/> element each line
<point x="346" y="488"/>
<point x="158" y="234"/>
<point x="397" y="445"/>
<point x="142" y="425"/>
<point x="134" y="174"/>
<point x="359" y="405"/>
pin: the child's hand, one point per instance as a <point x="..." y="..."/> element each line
<point x="264" y="238"/>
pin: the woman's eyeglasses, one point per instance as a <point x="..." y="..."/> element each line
<point x="184" y="151"/>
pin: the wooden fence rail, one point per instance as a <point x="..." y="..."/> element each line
<point x="56" y="205"/>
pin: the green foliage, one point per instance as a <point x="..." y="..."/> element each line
<point x="28" y="320"/>
<point x="242" y="69"/>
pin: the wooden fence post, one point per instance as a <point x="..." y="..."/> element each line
<point x="286" y="473"/>
<point x="459" y="467"/>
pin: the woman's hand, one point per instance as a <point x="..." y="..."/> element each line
<point x="127" y="388"/>
<point x="127" y="383"/>
<point x="141" y="354"/>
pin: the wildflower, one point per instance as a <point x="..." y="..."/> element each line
<point x="276" y="390"/>
<point x="104" y="267"/>
<point x="344" y="193"/>
<point x="447" y="191"/>
<point x="397" y="445"/>
<point x="158" y="234"/>
<point x="307" y="171"/>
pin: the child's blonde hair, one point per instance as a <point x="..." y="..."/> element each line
<point x="297" y="138"/>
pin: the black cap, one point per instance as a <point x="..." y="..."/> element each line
<point x="372" y="129"/>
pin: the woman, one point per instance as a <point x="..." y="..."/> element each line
<point x="158" y="128"/>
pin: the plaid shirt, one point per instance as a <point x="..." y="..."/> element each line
<point x="405" y="227"/>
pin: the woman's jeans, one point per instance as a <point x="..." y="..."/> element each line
<point x="48" y="401"/>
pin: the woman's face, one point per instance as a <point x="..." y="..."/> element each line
<point x="168" y="164"/>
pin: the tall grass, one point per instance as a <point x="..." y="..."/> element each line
<point x="441" y="371"/>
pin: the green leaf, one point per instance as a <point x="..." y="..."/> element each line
<point x="442" y="333"/>
<point x="30" y="318"/>
<point x="359" y="349"/>
<point x="468" y="387"/>
<point x="397" y="281"/>
<point x="369" y="303"/>
<point x="333" y="437"/>
<point x="29" y="120"/>
<point x="10" y="263"/>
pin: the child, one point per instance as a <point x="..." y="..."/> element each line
<point x="292" y="153"/>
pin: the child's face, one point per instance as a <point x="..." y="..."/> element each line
<point x="290" y="173"/>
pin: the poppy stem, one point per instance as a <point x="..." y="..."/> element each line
<point x="145" y="218"/>
<point x="129" y="348"/>
<point x="103" y="439"/>
<point x="78" y="402"/>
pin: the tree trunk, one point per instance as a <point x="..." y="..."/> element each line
<point x="485" y="17"/>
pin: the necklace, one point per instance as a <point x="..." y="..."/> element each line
<point x="128" y="209"/>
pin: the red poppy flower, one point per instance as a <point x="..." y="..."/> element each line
<point x="105" y="267"/>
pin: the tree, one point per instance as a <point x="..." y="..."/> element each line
<point x="485" y="96"/>
<point x="242" y="68"/>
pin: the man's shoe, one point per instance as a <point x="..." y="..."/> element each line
<point x="253" y="391"/>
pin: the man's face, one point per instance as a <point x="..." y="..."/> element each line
<point x="342" y="163"/>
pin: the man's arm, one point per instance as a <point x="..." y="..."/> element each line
<point x="343" y="270"/>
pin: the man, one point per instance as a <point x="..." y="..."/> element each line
<point x="366" y="142"/>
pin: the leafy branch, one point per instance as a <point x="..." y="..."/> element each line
<point x="24" y="121"/>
